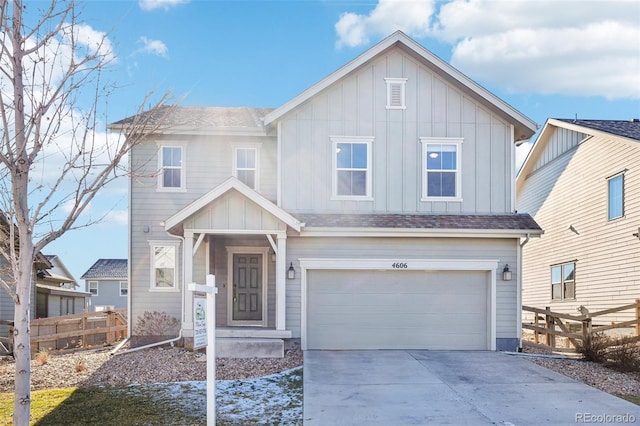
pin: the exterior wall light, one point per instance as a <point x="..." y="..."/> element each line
<point x="291" y="273"/>
<point x="506" y="273"/>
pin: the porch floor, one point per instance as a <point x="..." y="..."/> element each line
<point x="252" y="333"/>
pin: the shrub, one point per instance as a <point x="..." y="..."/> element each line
<point x="42" y="356"/>
<point x="624" y="354"/>
<point x="594" y="348"/>
<point x="156" y="324"/>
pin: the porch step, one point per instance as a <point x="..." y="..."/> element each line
<point x="234" y="347"/>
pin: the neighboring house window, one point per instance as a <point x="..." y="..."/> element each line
<point x="124" y="288"/>
<point x="352" y="167"/>
<point x="163" y="266"/>
<point x="171" y="176"/>
<point x="246" y="166"/>
<point x="93" y="287"/>
<point x="396" y="93"/>
<point x="441" y="178"/>
<point x="616" y="196"/>
<point x="563" y="283"/>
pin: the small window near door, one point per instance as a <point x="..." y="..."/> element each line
<point x="563" y="283"/>
<point x="163" y="266"/>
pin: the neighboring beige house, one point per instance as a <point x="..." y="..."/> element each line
<point x="57" y="292"/>
<point x="375" y="210"/>
<point x="581" y="183"/>
<point x="107" y="281"/>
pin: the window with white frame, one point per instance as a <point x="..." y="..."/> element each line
<point x="93" y="287"/>
<point x="171" y="176"/>
<point x="441" y="178"/>
<point x="396" y="93"/>
<point x="352" y="167"/>
<point x="615" y="196"/>
<point x="246" y="166"/>
<point x="124" y="288"/>
<point x="563" y="282"/>
<point x="164" y="271"/>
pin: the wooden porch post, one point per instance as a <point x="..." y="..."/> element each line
<point x="281" y="282"/>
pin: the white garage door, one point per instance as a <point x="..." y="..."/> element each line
<point x="397" y="309"/>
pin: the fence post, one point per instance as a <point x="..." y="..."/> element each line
<point x="535" y="332"/>
<point x="550" y="325"/>
<point x="637" y="317"/>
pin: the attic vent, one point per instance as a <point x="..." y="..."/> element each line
<point x="395" y="93"/>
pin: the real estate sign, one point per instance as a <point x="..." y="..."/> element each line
<point x="199" y="322"/>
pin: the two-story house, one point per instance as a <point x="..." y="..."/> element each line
<point x="107" y="281"/>
<point x="375" y="210"/>
<point x="581" y="183"/>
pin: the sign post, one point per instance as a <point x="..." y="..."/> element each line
<point x="204" y="334"/>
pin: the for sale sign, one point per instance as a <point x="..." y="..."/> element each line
<point x="199" y="322"/>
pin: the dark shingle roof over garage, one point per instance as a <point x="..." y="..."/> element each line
<point x="107" y="268"/>
<point x="515" y="222"/>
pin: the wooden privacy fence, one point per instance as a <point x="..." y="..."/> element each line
<point x="575" y="329"/>
<point x="76" y="331"/>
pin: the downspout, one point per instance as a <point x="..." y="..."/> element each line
<point x="519" y="290"/>
<point x="174" y="339"/>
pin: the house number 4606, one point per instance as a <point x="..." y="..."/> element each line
<point x="399" y="265"/>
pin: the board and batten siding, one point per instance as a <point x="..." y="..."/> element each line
<point x="356" y="106"/>
<point x="504" y="250"/>
<point x="572" y="191"/>
<point x="208" y="162"/>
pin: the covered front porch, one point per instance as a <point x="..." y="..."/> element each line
<point x="240" y="237"/>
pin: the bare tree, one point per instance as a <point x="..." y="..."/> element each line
<point x="53" y="155"/>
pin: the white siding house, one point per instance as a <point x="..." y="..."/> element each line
<point x="374" y="210"/>
<point x="581" y="183"/>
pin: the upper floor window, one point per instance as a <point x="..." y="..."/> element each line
<point x="563" y="283"/>
<point x="441" y="178"/>
<point x="164" y="265"/>
<point x="246" y="166"/>
<point x="124" y="288"/>
<point x="171" y="176"/>
<point x="93" y="287"/>
<point x="352" y="167"/>
<point x="615" y="196"/>
<point x="396" y="93"/>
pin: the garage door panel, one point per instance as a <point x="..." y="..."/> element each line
<point x="397" y="310"/>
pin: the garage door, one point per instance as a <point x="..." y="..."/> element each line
<point x="397" y="309"/>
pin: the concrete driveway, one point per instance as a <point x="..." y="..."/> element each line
<point x="443" y="387"/>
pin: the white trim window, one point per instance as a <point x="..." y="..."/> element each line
<point x="124" y="288"/>
<point x="164" y="266"/>
<point x="171" y="165"/>
<point x="396" y="93"/>
<point x="245" y="166"/>
<point x="92" y="287"/>
<point x="441" y="177"/>
<point x="352" y="167"/>
<point x="563" y="281"/>
<point x="615" y="196"/>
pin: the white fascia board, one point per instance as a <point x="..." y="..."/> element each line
<point x="419" y="233"/>
<point x="232" y="183"/>
<point x="536" y="148"/>
<point x="411" y="264"/>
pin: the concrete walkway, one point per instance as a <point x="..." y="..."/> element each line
<point x="442" y="387"/>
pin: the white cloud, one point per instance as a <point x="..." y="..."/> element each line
<point x="590" y="48"/>
<point x="160" y="4"/>
<point x="153" y="47"/>
<point x="410" y="16"/>
<point x="117" y="218"/>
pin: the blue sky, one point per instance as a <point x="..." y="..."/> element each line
<point x="560" y="59"/>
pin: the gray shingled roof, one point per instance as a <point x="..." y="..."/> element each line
<point x="517" y="222"/>
<point x="107" y="268"/>
<point x="625" y="128"/>
<point x="207" y="117"/>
